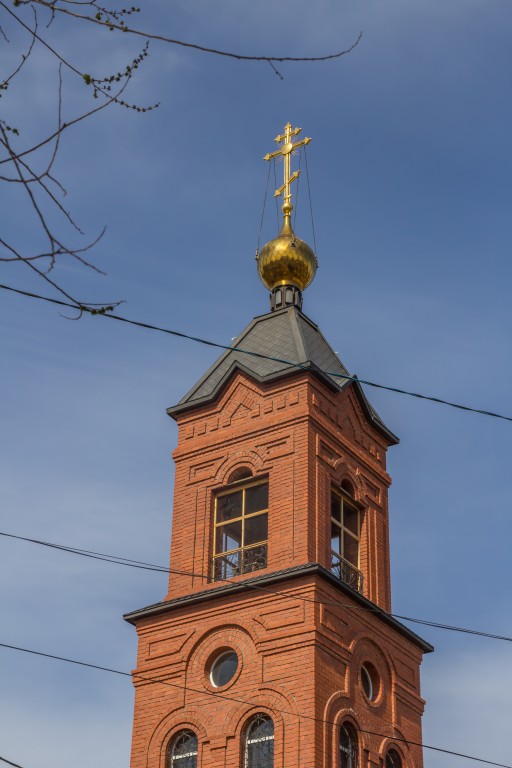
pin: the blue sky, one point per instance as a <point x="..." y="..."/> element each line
<point x="410" y="170"/>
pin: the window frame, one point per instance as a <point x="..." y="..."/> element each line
<point x="214" y="666"/>
<point x="346" y="499"/>
<point x="174" y="761"/>
<point x="340" y="565"/>
<point x="247" y="740"/>
<point x="370" y="681"/>
<point x="238" y="486"/>
<point x="390" y="757"/>
<point x="352" y="735"/>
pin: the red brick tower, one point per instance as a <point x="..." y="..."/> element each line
<point x="274" y="647"/>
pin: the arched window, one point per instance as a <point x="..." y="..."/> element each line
<point x="259" y="743"/>
<point x="345" y="539"/>
<point x="241" y="473"/>
<point x="393" y="759"/>
<point x="240" y="529"/>
<point x="348" y="487"/>
<point x="348" y="747"/>
<point x="182" y="751"/>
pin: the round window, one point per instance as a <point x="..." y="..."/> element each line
<point x="370" y="681"/>
<point x="223" y="669"/>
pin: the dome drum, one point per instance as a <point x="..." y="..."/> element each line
<point x="285" y="296"/>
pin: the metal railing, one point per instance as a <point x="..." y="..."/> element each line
<point x="346" y="572"/>
<point x="242" y="561"/>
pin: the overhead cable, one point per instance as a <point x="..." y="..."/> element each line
<point x="117" y="560"/>
<point x="4" y="760"/>
<point x="204" y="692"/>
<point x="302" y="366"/>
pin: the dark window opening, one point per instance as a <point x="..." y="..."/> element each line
<point x="224" y="668"/>
<point x="259" y="743"/>
<point x="345" y="539"/>
<point x="348" y="747"/>
<point x="393" y="759"/>
<point x="182" y="751"/>
<point x="370" y="681"/>
<point x="239" y="474"/>
<point x="348" y="487"/>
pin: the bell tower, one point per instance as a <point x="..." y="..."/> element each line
<point x="275" y="647"/>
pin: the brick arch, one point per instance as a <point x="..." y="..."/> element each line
<point x="179" y="719"/>
<point x="361" y="640"/>
<point x="274" y="699"/>
<point x="342" y="472"/>
<point x="402" y="747"/>
<point x="364" y="648"/>
<point x="237" y="636"/>
<point x="208" y="638"/>
<point x="335" y="717"/>
<point x="280" y="706"/>
<point x="245" y="458"/>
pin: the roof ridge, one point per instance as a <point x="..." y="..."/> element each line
<point x="277" y="343"/>
<point x="319" y="333"/>
<point x="238" y="339"/>
<point x="300" y="341"/>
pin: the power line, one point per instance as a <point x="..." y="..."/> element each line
<point x="4" y="760"/>
<point x="94" y="555"/>
<point x="117" y="560"/>
<point x="104" y="312"/>
<point x="214" y="694"/>
<point x="449" y="627"/>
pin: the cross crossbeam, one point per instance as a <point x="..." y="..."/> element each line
<point x="286" y="150"/>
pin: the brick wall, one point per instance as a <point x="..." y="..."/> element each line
<point x="300" y="641"/>
<point x="299" y="662"/>
<point x="305" y="438"/>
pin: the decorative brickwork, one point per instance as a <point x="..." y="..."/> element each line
<point x="294" y="431"/>
<point x="300" y="634"/>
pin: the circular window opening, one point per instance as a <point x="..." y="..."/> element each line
<point x="370" y="681"/>
<point x="223" y="669"/>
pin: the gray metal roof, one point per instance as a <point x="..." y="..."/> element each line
<point x="292" y="340"/>
<point x="262" y="581"/>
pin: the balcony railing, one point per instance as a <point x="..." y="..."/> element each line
<point x="346" y="572"/>
<point x="242" y="561"/>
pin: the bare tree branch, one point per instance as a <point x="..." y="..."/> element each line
<point x="108" y="19"/>
<point x="31" y="168"/>
<point x="24" y="56"/>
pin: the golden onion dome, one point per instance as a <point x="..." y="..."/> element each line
<point x="286" y="264"/>
<point x="287" y="260"/>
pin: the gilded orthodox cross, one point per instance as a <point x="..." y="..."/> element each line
<point x="286" y="150"/>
